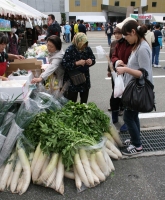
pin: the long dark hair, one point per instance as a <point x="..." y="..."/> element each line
<point x="139" y="29"/>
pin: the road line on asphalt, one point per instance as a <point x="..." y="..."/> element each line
<point x="109" y="78"/>
<point x="151" y="115"/>
<point x="107" y="62"/>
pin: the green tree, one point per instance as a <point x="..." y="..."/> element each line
<point x="63" y="17"/>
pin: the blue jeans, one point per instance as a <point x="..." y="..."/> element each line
<point x="109" y="38"/>
<point x="155" y="55"/>
<point x="67" y="37"/>
<point x="131" y="119"/>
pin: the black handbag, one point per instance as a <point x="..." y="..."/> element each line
<point x="139" y="94"/>
<point x="77" y="77"/>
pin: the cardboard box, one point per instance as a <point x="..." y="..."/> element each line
<point x="20" y="86"/>
<point x="27" y="77"/>
<point x="31" y="64"/>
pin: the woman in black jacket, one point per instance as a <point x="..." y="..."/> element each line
<point x="78" y="58"/>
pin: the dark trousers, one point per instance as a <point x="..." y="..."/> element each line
<point x="131" y="119"/>
<point x="73" y="96"/>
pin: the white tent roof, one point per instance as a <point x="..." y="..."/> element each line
<point x="15" y="7"/>
<point x="158" y="19"/>
<point x="92" y="18"/>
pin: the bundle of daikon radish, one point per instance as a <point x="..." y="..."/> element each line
<point x="65" y="146"/>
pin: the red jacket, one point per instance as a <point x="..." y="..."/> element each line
<point x="122" y="51"/>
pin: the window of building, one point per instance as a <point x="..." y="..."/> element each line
<point x="154" y="4"/>
<point x="94" y="2"/>
<point x="132" y="3"/>
<point x="116" y="3"/>
<point x="77" y="2"/>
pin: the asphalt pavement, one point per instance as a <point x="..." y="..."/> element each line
<point x="141" y="178"/>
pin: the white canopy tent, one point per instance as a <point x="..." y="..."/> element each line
<point x="92" y="18"/>
<point x="158" y="19"/>
<point x="17" y="8"/>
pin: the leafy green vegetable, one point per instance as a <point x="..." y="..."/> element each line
<point x="66" y="130"/>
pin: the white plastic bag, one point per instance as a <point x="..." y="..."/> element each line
<point x="100" y="52"/>
<point x="119" y="86"/>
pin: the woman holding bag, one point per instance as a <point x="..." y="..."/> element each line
<point x="141" y="57"/>
<point x="77" y="60"/>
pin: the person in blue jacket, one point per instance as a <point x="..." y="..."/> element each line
<point x="156" y="46"/>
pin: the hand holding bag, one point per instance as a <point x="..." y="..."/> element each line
<point x="77" y="77"/>
<point x="119" y="86"/>
<point x="139" y="95"/>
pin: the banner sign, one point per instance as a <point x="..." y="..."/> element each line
<point x="5" y="25"/>
<point x="141" y="16"/>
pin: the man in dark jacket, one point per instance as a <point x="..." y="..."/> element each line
<point x="54" y="28"/>
<point x="82" y="27"/>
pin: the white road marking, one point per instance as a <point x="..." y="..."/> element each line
<point x="151" y="115"/>
<point x="109" y="78"/>
<point x="107" y="61"/>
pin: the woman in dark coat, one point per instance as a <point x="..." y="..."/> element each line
<point x="78" y="56"/>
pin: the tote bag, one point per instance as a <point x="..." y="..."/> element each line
<point x="139" y="94"/>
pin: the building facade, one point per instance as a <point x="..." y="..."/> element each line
<point x="99" y="10"/>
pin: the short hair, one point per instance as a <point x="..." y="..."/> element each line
<point x="81" y="21"/>
<point x="14" y="24"/>
<point x="148" y="26"/>
<point x="78" y="20"/>
<point x="52" y="16"/>
<point x="3" y="38"/>
<point x="45" y="26"/>
<point x="56" y="41"/>
<point x="157" y="26"/>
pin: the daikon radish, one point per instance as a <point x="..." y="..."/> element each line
<point x="9" y="180"/>
<point x="111" y="154"/>
<point x="86" y="165"/>
<point x="38" y="166"/>
<point x="49" y="169"/>
<point x="61" y="189"/>
<point x="26" y="168"/>
<point x="115" y="150"/>
<point x="35" y="157"/>
<point x="115" y="135"/>
<point x="31" y="155"/>
<point x="96" y="179"/>
<point x="59" y="173"/>
<point x="69" y="175"/>
<point x="109" y="161"/>
<point x="96" y="168"/>
<point x="110" y="138"/>
<point x="78" y="181"/>
<point x="20" y="183"/>
<point x="7" y="171"/>
<point x="51" y="178"/>
<point x="45" y="164"/>
<point x="80" y="170"/>
<point x="101" y="163"/>
<point x="16" y="174"/>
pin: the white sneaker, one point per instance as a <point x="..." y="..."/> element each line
<point x="157" y="66"/>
